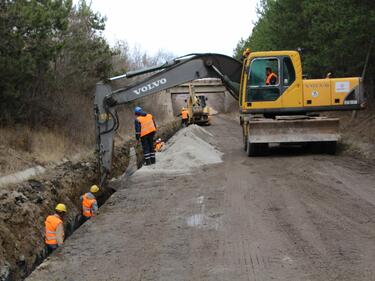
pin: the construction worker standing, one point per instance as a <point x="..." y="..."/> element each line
<point x="145" y="128"/>
<point x="54" y="228"/>
<point x="271" y="77"/>
<point x="184" y="117"/>
<point x="89" y="203"/>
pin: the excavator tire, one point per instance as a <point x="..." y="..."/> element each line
<point x="329" y="147"/>
<point x="257" y="149"/>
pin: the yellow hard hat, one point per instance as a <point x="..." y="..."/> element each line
<point x="94" y="188"/>
<point x="183" y="108"/>
<point x="61" y="207"/>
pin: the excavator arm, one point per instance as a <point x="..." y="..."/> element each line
<point x="178" y="71"/>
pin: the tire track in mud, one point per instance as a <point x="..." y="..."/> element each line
<point x="335" y="214"/>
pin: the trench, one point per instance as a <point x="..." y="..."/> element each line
<point x="70" y="227"/>
<point x="23" y="262"/>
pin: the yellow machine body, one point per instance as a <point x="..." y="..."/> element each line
<point x="275" y="111"/>
<point x="291" y="93"/>
<point x="198" y="110"/>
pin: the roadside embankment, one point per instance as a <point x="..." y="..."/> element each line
<point x="24" y="206"/>
<point x="358" y="132"/>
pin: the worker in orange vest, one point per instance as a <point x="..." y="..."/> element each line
<point x="184" y="117"/>
<point x="54" y="228"/>
<point x="271" y="77"/>
<point x="159" y="145"/>
<point x="89" y="203"/>
<point x="145" y="128"/>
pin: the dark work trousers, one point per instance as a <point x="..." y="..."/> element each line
<point x="148" y="148"/>
<point x="184" y="122"/>
<point x="50" y="248"/>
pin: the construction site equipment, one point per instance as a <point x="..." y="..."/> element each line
<point x="284" y="107"/>
<point x="199" y="112"/>
<point x="175" y="72"/>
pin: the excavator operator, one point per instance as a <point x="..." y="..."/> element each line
<point x="145" y="128"/>
<point x="271" y="77"/>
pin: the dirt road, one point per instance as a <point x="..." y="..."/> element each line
<point x="288" y="216"/>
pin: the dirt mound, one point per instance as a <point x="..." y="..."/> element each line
<point x="358" y="132"/>
<point x="190" y="148"/>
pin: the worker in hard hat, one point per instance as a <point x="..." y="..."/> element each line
<point x="54" y="228"/>
<point x="89" y="203"/>
<point x="184" y="117"/>
<point x="145" y="128"/>
<point x="159" y="145"/>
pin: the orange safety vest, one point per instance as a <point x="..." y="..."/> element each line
<point x="184" y="114"/>
<point x="158" y="146"/>
<point x="51" y="224"/>
<point x="87" y="206"/>
<point x="269" y="77"/>
<point x="147" y="124"/>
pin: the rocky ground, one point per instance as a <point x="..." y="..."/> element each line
<point x="291" y="215"/>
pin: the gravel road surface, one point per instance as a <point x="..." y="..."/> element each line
<point x="287" y="216"/>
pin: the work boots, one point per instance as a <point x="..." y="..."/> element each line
<point x="153" y="160"/>
<point x="147" y="162"/>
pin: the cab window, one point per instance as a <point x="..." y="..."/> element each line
<point x="263" y="80"/>
<point x="289" y="75"/>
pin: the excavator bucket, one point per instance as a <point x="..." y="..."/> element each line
<point x="293" y="129"/>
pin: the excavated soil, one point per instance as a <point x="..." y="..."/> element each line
<point x="359" y="132"/>
<point x="288" y="216"/>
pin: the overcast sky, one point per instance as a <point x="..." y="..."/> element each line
<point x="179" y="27"/>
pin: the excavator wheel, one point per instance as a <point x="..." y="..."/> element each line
<point x="329" y="147"/>
<point x="257" y="149"/>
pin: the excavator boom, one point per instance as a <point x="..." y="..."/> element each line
<point x="170" y="74"/>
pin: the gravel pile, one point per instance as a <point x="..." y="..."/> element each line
<point x="189" y="148"/>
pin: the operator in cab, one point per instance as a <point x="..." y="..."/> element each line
<point x="145" y="128"/>
<point x="271" y="77"/>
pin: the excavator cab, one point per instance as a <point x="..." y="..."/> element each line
<point x="202" y="101"/>
<point x="283" y="70"/>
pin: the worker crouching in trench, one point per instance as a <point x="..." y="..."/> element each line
<point x="145" y="128"/>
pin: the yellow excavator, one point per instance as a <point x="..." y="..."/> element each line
<point x="199" y="112"/>
<point x="285" y="111"/>
<point x="279" y="109"/>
